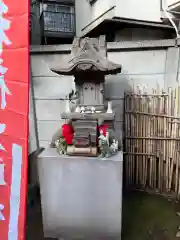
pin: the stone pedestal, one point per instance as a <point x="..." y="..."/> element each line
<point x="81" y="197"/>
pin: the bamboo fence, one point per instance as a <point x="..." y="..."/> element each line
<point x="152" y="140"/>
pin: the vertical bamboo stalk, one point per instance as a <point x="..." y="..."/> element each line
<point x="141" y="141"/>
<point x="129" y="144"/>
<point x="162" y="160"/>
<point x="171" y="142"/>
<point x="158" y="142"/>
<point x="126" y="139"/>
<point x="149" y="146"/>
<point x="173" y="134"/>
<point x="137" y="143"/>
<point x="151" y="141"/>
<point x="164" y="144"/>
<point x="168" y="135"/>
<point x="131" y="140"/>
<point x="177" y="143"/>
<point x="145" y="125"/>
<point x="178" y="146"/>
<point x="154" y="142"/>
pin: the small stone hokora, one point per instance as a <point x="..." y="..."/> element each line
<point x="104" y="145"/>
<point x="61" y="146"/>
<point x="114" y="147"/>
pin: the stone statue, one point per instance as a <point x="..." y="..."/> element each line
<point x="114" y="147"/>
<point x="109" y="109"/>
<point x="61" y="146"/>
<point x="89" y="66"/>
<point x="57" y="135"/>
<point x="104" y="145"/>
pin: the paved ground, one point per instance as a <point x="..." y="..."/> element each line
<point x="145" y="217"/>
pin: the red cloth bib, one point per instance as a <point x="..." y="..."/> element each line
<point x="104" y="128"/>
<point x="68" y="133"/>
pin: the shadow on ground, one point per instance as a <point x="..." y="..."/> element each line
<point x="149" y="217"/>
<point x="145" y="217"/>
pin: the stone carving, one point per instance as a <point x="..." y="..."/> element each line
<point x="93" y="110"/>
<point x="82" y="109"/>
<point x="85" y="56"/>
<point x="78" y="109"/>
<point x="107" y="149"/>
<point x="61" y="146"/>
<point x="104" y="146"/>
<point x="114" y="147"/>
<point x="67" y="106"/>
<point x="84" y="67"/>
<point x="89" y="68"/>
<point x="109" y="109"/>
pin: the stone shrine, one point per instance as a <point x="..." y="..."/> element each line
<point x="89" y="68"/>
<point x="81" y="194"/>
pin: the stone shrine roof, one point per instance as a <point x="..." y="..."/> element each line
<point x="86" y="57"/>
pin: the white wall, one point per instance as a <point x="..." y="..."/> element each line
<point x="87" y="13"/>
<point x="48" y="89"/>
<point x="151" y="65"/>
<point x="170" y="2"/>
<point x="83" y="15"/>
<point x="147" y="10"/>
<point x="100" y="7"/>
<point x="139" y="34"/>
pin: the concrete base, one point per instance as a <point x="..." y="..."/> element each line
<point x="81" y="197"/>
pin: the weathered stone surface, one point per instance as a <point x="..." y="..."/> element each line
<point x="80" y="195"/>
<point x="84" y="122"/>
<point x="84" y="116"/>
<point x="86" y="57"/>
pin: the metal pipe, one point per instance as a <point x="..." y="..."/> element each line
<point x="174" y="12"/>
<point x="169" y="17"/>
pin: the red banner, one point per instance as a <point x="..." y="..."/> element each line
<point x="14" y="100"/>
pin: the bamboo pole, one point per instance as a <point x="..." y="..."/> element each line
<point x="135" y="146"/>
<point x="173" y="133"/>
<point x="149" y="145"/>
<point x="154" y="142"/>
<point x="141" y="141"/>
<point x="151" y="142"/>
<point x="168" y="135"/>
<point x="130" y="140"/>
<point x="154" y="114"/>
<point x="177" y="149"/>
<point x="133" y="141"/>
<point x="126" y="140"/>
<point x="138" y="142"/>
<point x="175" y="143"/>
<point x="158" y="142"/>
<point x="146" y="142"/>
<point x="164" y="143"/>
